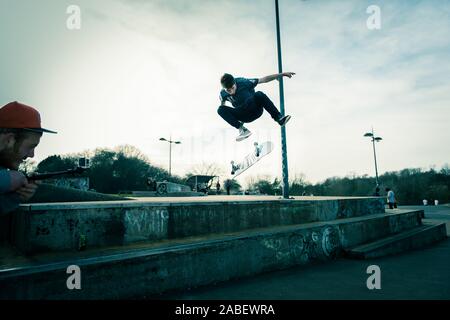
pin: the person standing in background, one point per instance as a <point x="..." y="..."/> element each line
<point x="391" y="199"/>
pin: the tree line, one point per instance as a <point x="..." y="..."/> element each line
<point x="410" y="186"/>
<point x="126" y="168"/>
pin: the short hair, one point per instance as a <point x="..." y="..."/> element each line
<point x="227" y="81"/>
<point x="19" y="134"/>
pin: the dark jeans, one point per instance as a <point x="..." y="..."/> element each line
<point x="251" y="110"/>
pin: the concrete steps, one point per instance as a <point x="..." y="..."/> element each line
<point x="415" y="238"/>
<point x="39" y="228"/>
<point x="139" y="269"/>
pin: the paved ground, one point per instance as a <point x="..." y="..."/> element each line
<point x="421" y="274"/>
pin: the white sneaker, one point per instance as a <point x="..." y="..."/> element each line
<point x="283" y="120"/>
<point x="244" y="133"/>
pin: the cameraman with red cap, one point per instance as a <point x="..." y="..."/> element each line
<point x="20" y="133"/>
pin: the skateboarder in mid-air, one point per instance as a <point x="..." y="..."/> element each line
<point x="248" y="104"/>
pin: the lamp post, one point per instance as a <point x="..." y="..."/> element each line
<point x="374" y="139"/>
<point x="170" y="152"/>
<point x="284" y="160"/>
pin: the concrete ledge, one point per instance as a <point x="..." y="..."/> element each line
<point x="187" y="201"/>
<point x="71" y="226"/>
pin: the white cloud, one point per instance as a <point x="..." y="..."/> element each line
<point x="139" y="70"/>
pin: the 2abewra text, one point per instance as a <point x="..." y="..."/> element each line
<point x="228" y="309"/>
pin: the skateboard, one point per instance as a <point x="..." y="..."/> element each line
<point x="258" y="153"/>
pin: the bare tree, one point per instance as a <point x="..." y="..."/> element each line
<point x="132" y="152"/>
<point x="207" y="169"/>
<point x="299" y="179"/>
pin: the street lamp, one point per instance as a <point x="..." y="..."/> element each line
<point x="284" y="161"/>
<point x="377" y="139"/>
<point x="170" y="152"/>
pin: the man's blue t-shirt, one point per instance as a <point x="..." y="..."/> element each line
<point x="245" y="89"/>
<point x="5" y="180"/>
<point x="9" y="201"/>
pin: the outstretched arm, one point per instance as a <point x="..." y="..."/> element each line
<point x="275" y="76"/>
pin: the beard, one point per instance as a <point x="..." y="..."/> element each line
<point x="9" y="158"/>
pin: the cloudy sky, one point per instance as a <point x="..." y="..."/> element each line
<point x="138" y="70"/>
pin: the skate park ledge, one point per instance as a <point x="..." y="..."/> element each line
<point x="69" y="226"/>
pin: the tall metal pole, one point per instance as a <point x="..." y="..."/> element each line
<point x="170" y="159"/>
<point x="283" y="129"/>
<point x="170" y="156"/>
<point x="375" y="156"/>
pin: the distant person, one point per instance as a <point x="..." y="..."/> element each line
<point x="391" y="199"/>
<point x="218" y="187"/>
<point x="20" y="134"/>
<point x="248" y="105"/>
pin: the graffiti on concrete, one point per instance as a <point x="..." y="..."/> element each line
<point x="302" y="247"/>
<point x="331" y="243"/>
<point x="146" y="224"/>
